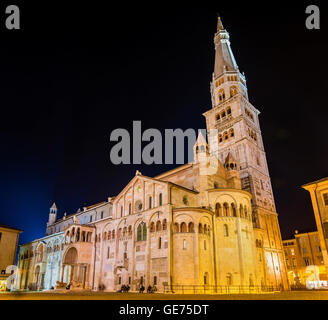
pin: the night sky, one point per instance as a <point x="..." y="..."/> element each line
<point x="72" y="75"/>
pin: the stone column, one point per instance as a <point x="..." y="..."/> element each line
<point x="62" y="275"/>
<point x="240" y="250"/>
<point x="147" y="261"/>
<point x="196" y="257"/>
<point x="132" y="200"/>
<point x="133" y="262"/>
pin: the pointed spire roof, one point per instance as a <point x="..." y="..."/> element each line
<point x="220" y="24"/>
<point x="200" y="140"/>
<point x="54" y="206"/>
<point x="230" y="158"/>
<point x="224" y="58"/>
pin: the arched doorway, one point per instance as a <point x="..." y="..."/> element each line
<point x="69" y="265"/>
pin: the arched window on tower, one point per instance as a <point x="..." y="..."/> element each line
<point x="200" y="228"/>
<point x="191" y="227"/>
<point x="158" y="226"/>
<point x="231" y="133"/>
<point x="233" y="91"/>
<point x="221" y="95"/>
<point x="152" y="227"/>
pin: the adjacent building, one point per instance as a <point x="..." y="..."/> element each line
<point x="319" y="196"/>
<point x="304" y="260"/>
<point x="8" y="248"/>
<point x="205" y="225"/>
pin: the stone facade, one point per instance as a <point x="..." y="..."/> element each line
<point x="205" y="224"/>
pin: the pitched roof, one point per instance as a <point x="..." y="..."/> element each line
<point x="10" y="228"/>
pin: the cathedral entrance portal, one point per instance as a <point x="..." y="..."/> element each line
<point x="73" y="272"/>
<point x="69" y="266"/>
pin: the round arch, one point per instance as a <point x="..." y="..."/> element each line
<point x="71" y="256"/>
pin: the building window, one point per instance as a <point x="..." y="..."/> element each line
<point x="121" y="211"/>
<point x="184" y="244"/>
<point x="307" y="261"/>
<point x="108" y="251"/>
<point x="150" y="202"/>
<point x="155" y="280"/>
<point x="304" y="251"/>
<point x="119" y="280"/>
<point x="294" y="262"/>
<point x="142" y="232"/>
<point x="0" y="235"/>
<point x="225" y="230"/>
<point x="129" y="208"/>
<point x="160" y="199"/>
<point x="292" y="251"/>
<point x="325" y="198"/>
<point x="159" y="243"/>
<point x="129" y="280"/>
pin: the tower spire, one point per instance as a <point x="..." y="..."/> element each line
<point x="220" y="25"/>
<point x="224" y="58"/>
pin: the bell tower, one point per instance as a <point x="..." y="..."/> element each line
<point x="234" y="131"/>
<point x="52" y="214"/>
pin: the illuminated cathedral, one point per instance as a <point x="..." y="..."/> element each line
<point x="199" y="226"/>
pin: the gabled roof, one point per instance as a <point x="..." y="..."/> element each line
<point x="136" y="177"/>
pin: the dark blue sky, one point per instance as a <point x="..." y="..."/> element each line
<point x="71" y="76"/>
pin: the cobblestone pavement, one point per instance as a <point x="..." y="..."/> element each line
<point x="88" y="295"/>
